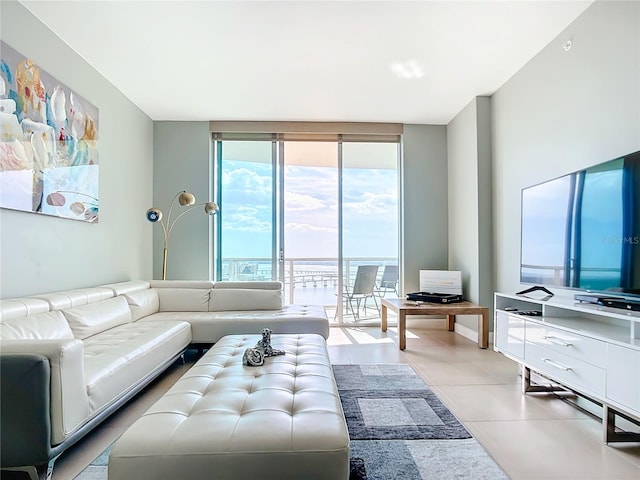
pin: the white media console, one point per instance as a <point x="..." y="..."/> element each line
<point x="591" y="350"/>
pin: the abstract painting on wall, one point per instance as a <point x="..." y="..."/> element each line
<point x="48" y="143"/>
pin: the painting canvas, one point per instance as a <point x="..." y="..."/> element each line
<point x="48" y="143"/>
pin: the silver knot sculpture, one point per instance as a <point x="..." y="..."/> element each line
<point x="254" y="357"/>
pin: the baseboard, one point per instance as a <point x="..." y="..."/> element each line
<point x="470" y="333"/>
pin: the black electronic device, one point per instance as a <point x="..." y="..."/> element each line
<point x="592" y="298"/>
<point x="606" y="301"/>
<point x="510" y="309"/>
<point x="433" y="297"/>
<point x="582" y="230"/>
<point x="623" y="303"/>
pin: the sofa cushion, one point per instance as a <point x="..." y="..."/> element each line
<point x="229" y="299"/>
<point x="41" y="326"/>
<point x="183" y="299"/>
<point x="87" y="320"/>
<point x="119" y="359"/>
<point x="143" y="303"/>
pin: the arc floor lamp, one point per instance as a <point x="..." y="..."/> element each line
<point x="185" y="199"/>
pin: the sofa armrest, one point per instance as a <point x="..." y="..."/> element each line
<point x="69" y="403"/>
<point x="25" y="436"/>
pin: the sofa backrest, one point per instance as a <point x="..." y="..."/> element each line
<point x="76" y="298"/>
<point x="21" y="307"/>
<point x="229" y="296"/>
<point x="124" y="288"/>
<point x="142" y="300"/>
<point x="84" y="312"/>
<point x="89" y="311"/>
<point x="39" y="326"/>
<point x="43" y="317"/>
<point x="25" y="317"/>
<point x="182" y="295"/>
<point x="143" y="303"/>
<point x="203" y="296"/>
<point x="270" y="285"/>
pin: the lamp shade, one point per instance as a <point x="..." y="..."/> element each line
<point x="210" y="208"/>
<point x="154" y="215"/>
<point x="186" y="198"/>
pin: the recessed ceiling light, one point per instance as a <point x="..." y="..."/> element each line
<point x="407" y="70"/>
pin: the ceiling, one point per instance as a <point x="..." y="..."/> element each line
<point x="303" y="60"/>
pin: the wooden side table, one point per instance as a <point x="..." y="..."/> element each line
<point x="405" y="307"/>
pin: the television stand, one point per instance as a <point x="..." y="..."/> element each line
<point x="588" y="349"/>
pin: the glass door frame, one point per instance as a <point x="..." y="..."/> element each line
<point x="278" y="212"/>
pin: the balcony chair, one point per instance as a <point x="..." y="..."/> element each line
<point x="362" y="290"/>
<point x="388" y="282"/>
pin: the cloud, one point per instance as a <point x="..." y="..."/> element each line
<point x="247" y="219"/>
<point x="323" y="181"/>
<point x="245" y="178"/>
<point x="307" y="227"/>
<point x="297" y="202"/>
<point x="242" y="186"/>
<point x="372" y="204"/>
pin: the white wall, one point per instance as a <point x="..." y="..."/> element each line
<point x="182" y="152"/>
<point x="424" y="202"/>
<point x="563" y="111"/>
<point x="462" y="152"/>
<point x="469" y="199"/>
<point x="39" y="253"/>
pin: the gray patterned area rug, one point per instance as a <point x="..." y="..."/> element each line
<point x="399" y="429"/>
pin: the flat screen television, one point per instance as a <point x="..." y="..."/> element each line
<point x="582" y="230"/>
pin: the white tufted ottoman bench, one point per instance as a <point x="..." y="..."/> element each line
<point x="224" y="420"/>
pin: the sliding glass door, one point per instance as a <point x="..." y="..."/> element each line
<point x="310" y="222"/>
<point x="247" y="228"/>
<point x="369" y="228"/>
<point x="309" y="213"/>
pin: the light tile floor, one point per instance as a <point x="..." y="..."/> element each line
<point x="532" y="437"/>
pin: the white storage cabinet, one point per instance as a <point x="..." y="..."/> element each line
<point x="592" y="350"/>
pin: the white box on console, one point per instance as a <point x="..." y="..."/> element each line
<point x="441" y="281"/>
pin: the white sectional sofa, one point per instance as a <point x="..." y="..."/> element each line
<point x="69" y="359"/>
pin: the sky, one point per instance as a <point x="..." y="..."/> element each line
<point x="370" y="211"/>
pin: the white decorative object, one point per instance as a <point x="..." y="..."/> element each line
<point x="441" y="281"/>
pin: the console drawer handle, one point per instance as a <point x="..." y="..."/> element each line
<point x="557" y="365"/>
<point x="557" y="341"/>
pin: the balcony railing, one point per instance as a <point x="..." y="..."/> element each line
<point x="306" y="280"/>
